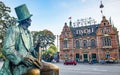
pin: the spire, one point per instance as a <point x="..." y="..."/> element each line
<point x="110" y="20"/>
<point x="101" y="7"/>
<point x="104" y="19"/>
<point x="70" y="23"/>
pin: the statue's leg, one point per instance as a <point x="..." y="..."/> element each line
<point x="33" y="71"/>
<point x="52" y="72"/>
<point x="49" y="69"/>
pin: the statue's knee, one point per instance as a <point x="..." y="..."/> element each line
<point x="34" y="71"/>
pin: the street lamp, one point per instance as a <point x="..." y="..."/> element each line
<point x="73" y="51"/>
<point x="57" y="41"/>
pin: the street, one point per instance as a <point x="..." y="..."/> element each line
<point x="87" y="69"/>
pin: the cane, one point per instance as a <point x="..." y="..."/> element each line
<point x="39" y="55"/>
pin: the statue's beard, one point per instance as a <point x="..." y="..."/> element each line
<point x="25" y="26"/>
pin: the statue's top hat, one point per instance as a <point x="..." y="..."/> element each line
<point x="22" y="12"/>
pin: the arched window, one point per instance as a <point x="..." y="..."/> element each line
<point x="84" y="43"/>
<point x="77" y="44"/>
<point x="109" y="42"/>
<point x="65" y="44"/>
<point x="93" y="44"/>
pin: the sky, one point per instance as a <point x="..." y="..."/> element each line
<point x="52" y="14"/>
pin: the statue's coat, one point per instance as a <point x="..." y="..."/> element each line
<point x="17" y="45"/>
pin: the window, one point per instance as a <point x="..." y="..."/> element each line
<point x="92" y="30"/>
<point x="102" y="31"/>
<point x="93" y="44"/>
<point x="106" y="41"/>
<point x="88" y="30"/>
<point x="108" y="30"/>
<point x="65" y="44"/>
<point x="77" y="31"/>
<point x="77" y="44"/>
<point x="84" y="43"/>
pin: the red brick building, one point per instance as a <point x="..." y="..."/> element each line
<point x="92" y="42"/>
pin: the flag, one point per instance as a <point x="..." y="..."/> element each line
<point x="110" y="20"/>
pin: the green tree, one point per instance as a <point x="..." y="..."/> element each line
<point x="5" y="21"/>
<point x="44" y="38"/>
<point x="35" y="36"/>
<point x="49" y="53"/>
<point x="53" y="48"/>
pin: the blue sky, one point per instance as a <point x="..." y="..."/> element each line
<point x="52" y="14"/>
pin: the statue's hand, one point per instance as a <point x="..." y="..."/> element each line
<point x="27" y="61"/>
<point x="38" y="63"/>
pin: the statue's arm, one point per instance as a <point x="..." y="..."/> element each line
<point x="35" y="51"/>
<point x="9" y="47"/>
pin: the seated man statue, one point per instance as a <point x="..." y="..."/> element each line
<point x="21" y="57"/>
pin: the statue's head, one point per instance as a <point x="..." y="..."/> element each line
<point x="24" y="17"/>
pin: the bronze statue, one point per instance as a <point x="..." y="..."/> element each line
<point x="21" y="57"/>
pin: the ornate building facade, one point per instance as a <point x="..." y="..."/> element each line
<point x="91" y="42"/>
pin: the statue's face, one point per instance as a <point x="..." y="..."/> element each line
<point x="25" y="23"/>
<point x="28" y="22"/>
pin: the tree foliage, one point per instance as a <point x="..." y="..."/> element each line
<point x="53" y="48"/>
<point x="48" y="54"/>
<point x="5" y="19"/>
<point x="44" y="38"/>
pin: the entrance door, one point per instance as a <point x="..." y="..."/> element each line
<point x="77" y="57"/>
<point x="94" y="59"/>
<point x="93" y="56"/>
<point x="85" y="56"/>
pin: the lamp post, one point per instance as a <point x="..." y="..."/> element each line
<point x="56" y="41"/>
<point x="73" y="53"/>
